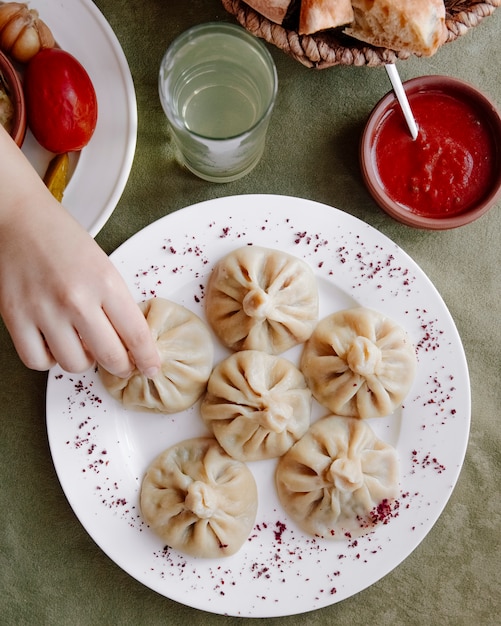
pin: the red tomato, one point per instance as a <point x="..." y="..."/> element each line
<point x="61" y="103"/>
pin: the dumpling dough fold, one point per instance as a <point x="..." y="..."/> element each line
<point x="335" y="481"/>
<point x="199" y="500"/>
<point x="257" y="405"/>
<point x="262" y="299"/>
<point x="186" y="351"/>
<point x="359" y="363"/>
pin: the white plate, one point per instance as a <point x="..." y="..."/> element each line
<point x="102" y="168"/>
<point x="101" y="451"/>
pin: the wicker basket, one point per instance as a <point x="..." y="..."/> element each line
<point x="330" y="48"/>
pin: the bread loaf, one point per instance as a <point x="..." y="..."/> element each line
<point x="416" y="26"/>
<point x="316" y="15"/>
<point x="274" y="10"/>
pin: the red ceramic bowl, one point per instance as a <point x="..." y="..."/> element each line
<point x="451" y="174"/>
<point x="11" y="83"/>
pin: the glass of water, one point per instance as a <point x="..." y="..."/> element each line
<point x="217" y="85"/>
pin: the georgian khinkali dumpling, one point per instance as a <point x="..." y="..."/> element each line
<point x="257" y="405"/>
<point x="186" y="351"/>
<point x="262" y="299"/>
<point x="359" y="363"/>
<point x="339" y="479"/>
<point x="198" y="499"/>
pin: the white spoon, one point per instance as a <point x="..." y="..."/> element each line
<point x="402" y="99"/>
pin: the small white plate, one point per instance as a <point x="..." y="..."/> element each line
<point x="102" y="168"/>
<point x="101" y="451"/>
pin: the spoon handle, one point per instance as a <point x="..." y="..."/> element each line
<point x="402" y="98"/>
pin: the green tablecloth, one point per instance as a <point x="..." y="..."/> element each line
<point x="51" y="571"/>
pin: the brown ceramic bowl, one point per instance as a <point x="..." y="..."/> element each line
<point x="384" y="155"/>
<point x="11" y="83"/>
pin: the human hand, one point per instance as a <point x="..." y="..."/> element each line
<point x="61" y="298"/>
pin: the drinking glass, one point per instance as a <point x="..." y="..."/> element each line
<point x="218" y="85"/>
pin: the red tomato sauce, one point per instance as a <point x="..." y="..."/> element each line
<point x="448" y="167"/>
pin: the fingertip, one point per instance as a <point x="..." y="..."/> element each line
<point x="136" y="337"/>
<point x="151" y="372"/>
<point x="120" y="372"/>
<point x="149" y="365"/>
